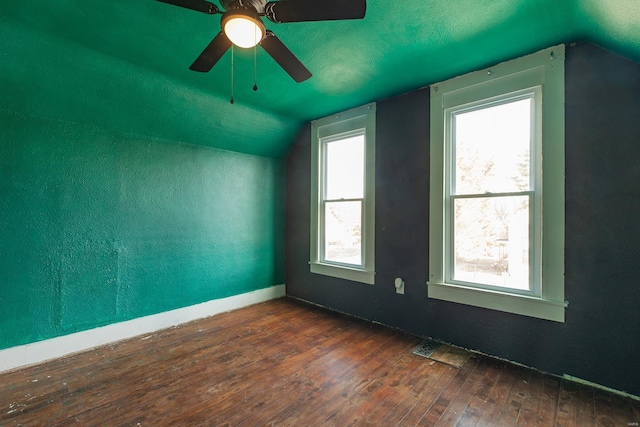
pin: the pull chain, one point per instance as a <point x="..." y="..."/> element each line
<point x="232" y="101"/>
<point x="255" y="68"/>
<point x="255" y="60"/>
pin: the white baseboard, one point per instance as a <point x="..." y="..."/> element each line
<point x="41" y="351"/>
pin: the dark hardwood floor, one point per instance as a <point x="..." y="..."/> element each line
<point x="287" y="363"/>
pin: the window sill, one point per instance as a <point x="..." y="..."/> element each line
<point x="510" y="303"/>
<point x="353" y="274"/>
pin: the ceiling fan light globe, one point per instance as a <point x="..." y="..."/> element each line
<point x="243" y="31"/>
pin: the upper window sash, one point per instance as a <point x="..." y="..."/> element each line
<point x="534" y="95"/>
<point x="324" y="170"/>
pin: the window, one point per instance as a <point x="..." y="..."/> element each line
<point x="497" y="187"/>
<point x="342" y="195"/>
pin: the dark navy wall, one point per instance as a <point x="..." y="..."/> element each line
<point x="98" y="226"/>
<point x="600" y="340"/>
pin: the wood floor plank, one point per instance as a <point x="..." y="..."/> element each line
<point x="479" y="401"/>
<point x="378" y="391"/>
<point x="635" y="409"/>
<point x="497" y="397"/>
<point x="393" y="391"/>
<point x="324" y="394"/>
<point x="290" y="385"/>
<point x="435" y="412"/>
<point x="512" y="406"/>
<point x="472" y="386"/>
<point x="417" y="383"/>
<point x="317" y="410"/>
<point x="365" y="380"/>
<point x="288" y="363"/>
<point x="151" y="379"/>
<point x="616" y="408"/>
<point x="585" y="414"/>
<point x="549" y="400"/>
<point x="567" y="404"/>
<point x="332" y="334"/>
<point x="346" y="389"/>
<point x="313" y="373"/>
<point x="530" y="411"/>
<point x="441" y="375"/>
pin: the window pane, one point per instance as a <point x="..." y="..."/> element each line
<point x="342" y="227"/>
<point x="491" y="241"/>
<point x="492" y="149"/>
<point x="345" y="168"/>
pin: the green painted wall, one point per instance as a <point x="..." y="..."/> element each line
<point x="98" y="226"/>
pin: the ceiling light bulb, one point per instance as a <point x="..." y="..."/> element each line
<point x="243" y="31"/>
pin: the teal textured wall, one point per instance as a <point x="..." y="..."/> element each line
<point x="99" y="226"/>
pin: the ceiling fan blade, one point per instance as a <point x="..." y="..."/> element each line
<point x="198" y="5"/>
<point x="314" y="10"/>
<point x="211" y="54"/>
<point x="283" y="56"/>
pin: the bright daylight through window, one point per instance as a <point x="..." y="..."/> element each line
<point x="497" y="187"/>
<point x="342" y="205"/>
<point x="343" y="200"/>
<point x="492" y="193"/>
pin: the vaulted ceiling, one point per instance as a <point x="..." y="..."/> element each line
<point x="124" y="64"/>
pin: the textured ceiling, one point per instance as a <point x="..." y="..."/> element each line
<point x="124" y="64"/>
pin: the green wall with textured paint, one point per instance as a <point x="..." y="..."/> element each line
<point x="100" y="226"/>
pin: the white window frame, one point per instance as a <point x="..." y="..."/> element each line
<point x="358" y="121"/>
<point x="540" y="74"/>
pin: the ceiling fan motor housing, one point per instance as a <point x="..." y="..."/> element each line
<point x="258" y="5"/>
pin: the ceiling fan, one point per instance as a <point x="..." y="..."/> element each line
<point x="242" y="26"/>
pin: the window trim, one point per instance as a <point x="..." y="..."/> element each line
<point x="546" y="70"/>
<point x="359" y="120"/>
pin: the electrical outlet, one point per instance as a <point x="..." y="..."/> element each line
<point x="399" y="283"/>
